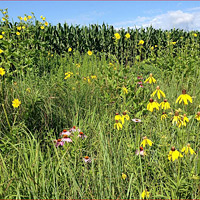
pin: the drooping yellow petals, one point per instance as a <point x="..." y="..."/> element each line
<point x="174" y="154"/>
<point x="146" y="141"/>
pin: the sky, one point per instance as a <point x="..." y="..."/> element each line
<point x="121" y="14"/>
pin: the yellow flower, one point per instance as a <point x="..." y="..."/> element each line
<point x="20" y="18"/>
<point x="124" y="176"/>
<point x="93" y="77"/>
<point x="173" y="43"/>
<point x="2" y="71"/>
<point x="176" y="118"/>
<point x="141" y="42"/>
<point x="3" y="19"/>
<point x="1" y="36"/>
<point x="144" y="194"/>
<point x="16" y="103"/>
<point x="78" y="65"/>
<point x="89" y="53"/>
<point x="184" y="97"/>
<point x="117" y="36"/>
<point x="19" y="28"/>
<point x="152" y="104"/>
<point x="165" y="105"/>
<point x="23" y="27"/>
<point x="174" y="154"/>
<point x="156" y="45"/>
<point x="197" y="117"/>
<point x="42" y="27"/>
<point x="43" y="18"/>
<point x="1" y="51"/>
<point x="18" y="33"/>
<point x="3" y="33"/>
<point x="88" y="79"/>
<point x="127" y="35"/>
<point x="117" y="125"/>
<point x="124" y="90"/>
<point x="46" y="23"/>
<point x="152" y="48"/>
<point x="163" y="116"/>
<point x="28" y="90"/>
<point x="118" y="117"/>
<point x="29" y="17"/>
<point x="194" y="34"/>
<point x="69" y="49"/>
<point x="185" y="119"/>
<point x="68" y="75"/>
<point x="150" y="79"/>
<point x="159" y="92"/>
<point x="188" y="149"/>
<point x="25" y="19"/>
<point x="146" y="141"/>
<point x="124" y="116"/>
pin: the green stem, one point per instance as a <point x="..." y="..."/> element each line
<point x="6" y="116"/>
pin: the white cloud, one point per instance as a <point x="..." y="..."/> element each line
<point x="172" y="19"/>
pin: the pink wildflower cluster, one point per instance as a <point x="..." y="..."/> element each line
<point x="140" y="82"/>
<point x="67" y="134"/>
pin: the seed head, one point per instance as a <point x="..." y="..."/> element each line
<point x="173" y="149"/>
<point x="183" y="91"/>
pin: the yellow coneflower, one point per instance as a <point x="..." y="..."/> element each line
<point x="174" y="154"/>
<point x="188" y="149"/>
<point x="197" y="117"/>
<point x="146" y="141"/>
<point x="159" y="92"/>
<point x="184" y="97"/>
<point x="124" y="116"/>
<point x="151" y="105"/>
<point x="176" y="118"/>
<point x="150" y="79"/>
<point x="117" y="125"/>
<point x="165" y="105"/>
<point x="163" y="116"/>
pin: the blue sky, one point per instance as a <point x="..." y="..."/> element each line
<point x="121" y="14"/>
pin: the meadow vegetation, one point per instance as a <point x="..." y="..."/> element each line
<point x="84" y="112"/>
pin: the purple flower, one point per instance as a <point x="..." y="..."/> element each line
<point x="66" y="139"/>
<point x="140" y="83"/>
<point x="73" y="129"/>
<point x="139" y="77"/>
<point x="86" y="159"/>
<point x="141" y="152"/>
<point x="58" y="142"/>
<point x="65" y="132"/>
<point x="82" y="135"/>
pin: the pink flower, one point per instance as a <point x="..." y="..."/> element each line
<point x="141" y="86"/>
<point x="141" y="152"/>
<point x="58" y="142"/>
<point x="140" y="83"/>
<point x="86" y="159"/>
<point x="66" y="139"/>
<point x="73" y="129"/>
<point x="82" y="135"/>
<point x="139" y="77"/>
<point x="65" y="132"/>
